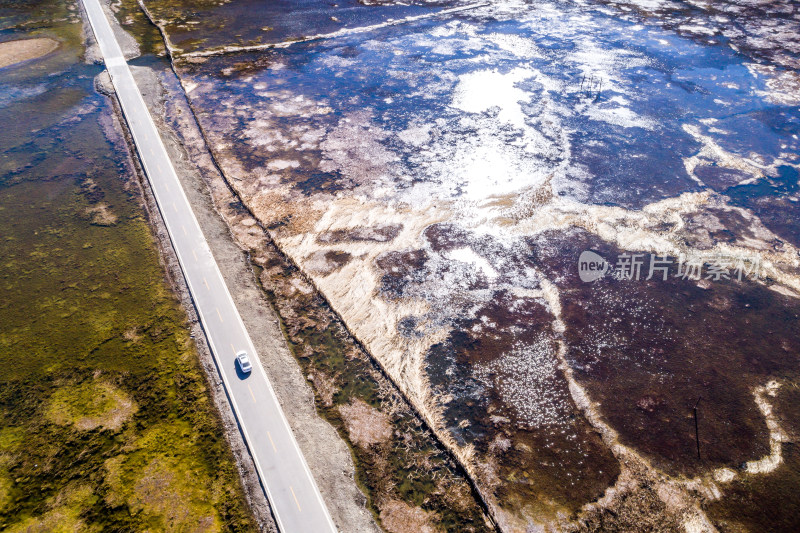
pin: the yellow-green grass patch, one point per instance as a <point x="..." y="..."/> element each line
<point x="162" y="480"/>
<point x="89" y="405"/>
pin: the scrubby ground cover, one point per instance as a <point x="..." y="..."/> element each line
<point x="105" y="419"/>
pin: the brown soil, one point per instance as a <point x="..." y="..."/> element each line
<point x="365" y="425"/>
<point x="102" y="215"/>
<point x="399" y="517"/>
<point x="13" y="52"/>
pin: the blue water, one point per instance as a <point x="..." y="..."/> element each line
<point x="406" y="75"/>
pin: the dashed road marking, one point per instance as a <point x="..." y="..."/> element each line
<point x="295" y="499"/>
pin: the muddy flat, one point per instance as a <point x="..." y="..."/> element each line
<point x="13" y="52"/>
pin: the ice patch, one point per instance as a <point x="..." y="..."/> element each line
<point x="468" y="255"/>
<point x="697" y="29"/>
<point x="650" y="4"/>
<point x="416" y="135"/>
<point x="520" y="47"/>
<point x="620" y="116"/>
<point x="281" y="164"/>
<point x="482" y="167"/>
<point x="485" y="89"/>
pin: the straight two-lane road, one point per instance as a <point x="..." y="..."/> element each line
<point x="293" y="495"/>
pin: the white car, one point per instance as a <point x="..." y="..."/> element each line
<point x="244" y="362"/>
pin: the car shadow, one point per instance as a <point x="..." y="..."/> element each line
<point x="239" y="373"/>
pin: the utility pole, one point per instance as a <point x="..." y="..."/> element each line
<point x="696" y="428"/>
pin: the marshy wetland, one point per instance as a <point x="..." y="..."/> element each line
<point x="415" y="199"/>
<point x="106" y="422"/>
<point x="437" y="182"/>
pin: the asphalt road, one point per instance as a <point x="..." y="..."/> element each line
<point x="295" y="499"/>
